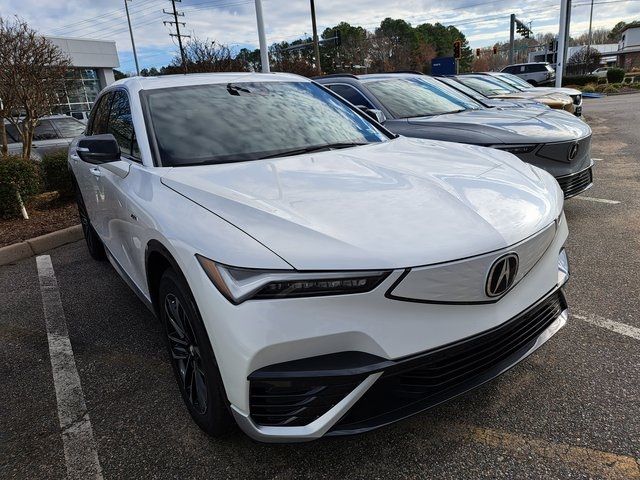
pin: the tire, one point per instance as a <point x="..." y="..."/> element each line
<point x="94" y="244"/>
<point x="191" y="356"/>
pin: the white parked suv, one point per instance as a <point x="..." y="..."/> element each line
<point x="535" y="73"/>
<point x="314" y="273"/>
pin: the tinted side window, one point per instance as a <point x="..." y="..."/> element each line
<point x="44" y="131"/>
<point x="350" y="94"/>
<point x="120" y="123"/>
<point x="100" y="118"/>
<point x="510" y="70"/>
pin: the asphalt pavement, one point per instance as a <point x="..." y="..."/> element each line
<point x="570" y="411"/>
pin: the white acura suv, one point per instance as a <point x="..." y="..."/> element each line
<point x="315" y="274"/>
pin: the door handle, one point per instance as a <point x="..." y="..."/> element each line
<point x="95" y="171"/>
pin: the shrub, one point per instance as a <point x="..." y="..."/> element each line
<point x="601" y="87"/>
<point x="579" y="80"/>
<point x="611" y="89"/>
<point x="590" y="88"/>
<point x="17" y="176"/>
<point x="56" y="175"/>
<point x="615" y="75"/>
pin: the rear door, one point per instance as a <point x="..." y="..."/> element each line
<point x="46" y="139"/>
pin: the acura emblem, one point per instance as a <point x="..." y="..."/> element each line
<point x="502" y="274"/>
<point x="573" y="151"/>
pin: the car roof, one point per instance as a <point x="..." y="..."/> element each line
<point x="526" y="63"/>
<point x="51" y="117"/>
<point x="370" y="77"/>
<point x="180" y="80"/>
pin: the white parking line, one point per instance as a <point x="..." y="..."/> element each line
<point x="597" y="159"/>
<point x="81" y="456"/>
<point x="599" y="200"/>
<point x="618" y="327"/>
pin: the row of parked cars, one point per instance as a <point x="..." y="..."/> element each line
<point x="330" y="256"/>
<point x="495" y="110"/>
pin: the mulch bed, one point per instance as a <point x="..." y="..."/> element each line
<point x="47" y="213"/>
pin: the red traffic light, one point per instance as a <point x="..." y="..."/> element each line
<point x="457" y="49"/>
<point x="477" y="52"/>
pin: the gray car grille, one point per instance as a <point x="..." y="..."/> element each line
<point x="560" y="151"/>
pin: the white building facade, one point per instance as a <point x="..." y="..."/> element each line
<point x="93" y="63"/>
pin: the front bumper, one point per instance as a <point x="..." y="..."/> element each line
<point x="576" y="183"/>
<point x="353" y="392"/>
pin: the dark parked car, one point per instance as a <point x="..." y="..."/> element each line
<point x="52" y="133"/>
<point x="422" y="106"/>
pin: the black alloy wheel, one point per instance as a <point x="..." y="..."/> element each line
<point x="191" y="355"/>
<point x="185" y="352"/>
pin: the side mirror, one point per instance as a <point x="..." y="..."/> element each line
<point x="374" y="114"/>
<point x="98" y="149"/>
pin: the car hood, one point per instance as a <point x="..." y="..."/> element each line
<point x="511" y="125"/>
<point x="557" y="97"/>
<point x="546" y="90"/>
<point x="396" y="204"/>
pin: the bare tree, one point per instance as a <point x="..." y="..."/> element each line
<point x="206" y="56"/>
<point x="7" y="105"/>
<point x="585" y="59"/>
<point x="34" y="69"/>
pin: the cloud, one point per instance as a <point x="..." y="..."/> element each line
<point x="233" y="21"/>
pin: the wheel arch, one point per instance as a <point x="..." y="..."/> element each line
<point x="158" y="258"/>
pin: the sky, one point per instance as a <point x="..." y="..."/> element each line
<point x="233" y="22"/>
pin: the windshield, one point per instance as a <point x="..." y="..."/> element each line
<point x="462" y="88"/>
<point x="514" y="79"/>
<point x="485" y="86"/>
<point x="508" y="81"/>
<point x="235" y="122"/>
<point x="413" y="97"/>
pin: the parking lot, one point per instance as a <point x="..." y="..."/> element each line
<point x="571" y="410"/>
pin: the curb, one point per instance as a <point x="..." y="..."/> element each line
<point x="38" y="245"/>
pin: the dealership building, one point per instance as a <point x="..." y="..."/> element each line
<point x="93" y="63"/>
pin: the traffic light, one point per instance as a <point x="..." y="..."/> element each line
<point x="477" y="52"/>
<point x="457" y="49"/>
<point x="495" y="49"/>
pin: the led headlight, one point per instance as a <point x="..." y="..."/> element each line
<point x="563" y="267"/>
<point x="240" y="284"/>
<point x="515" y="149"/>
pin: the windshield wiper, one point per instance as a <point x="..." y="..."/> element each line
<point x="313" y="148"/>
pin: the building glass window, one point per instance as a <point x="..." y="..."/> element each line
<point x="80" y="93"/>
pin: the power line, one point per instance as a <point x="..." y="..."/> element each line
<point x="177" y="24"/>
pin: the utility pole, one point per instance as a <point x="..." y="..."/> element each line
<point x="316" y="46"/>
<point x="133" y="44"/>
<point x="589" y="38"/>
<point x="512" y="35"/>
<point x="565" y="7"/>
<point x="175" y="22"/>
<point x="264" y="53"/>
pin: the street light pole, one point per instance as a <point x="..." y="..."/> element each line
<point x="133" y="44"/>
<point x="264" y="53"/>
<point x="316" y="46"/>
<point x="565" y="5"/>
<point x="512" y="35"/>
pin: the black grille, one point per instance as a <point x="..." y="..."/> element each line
<point x="448" y="371"/>
<point x="574" y="184"/>
<point x="295" y="402"/>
